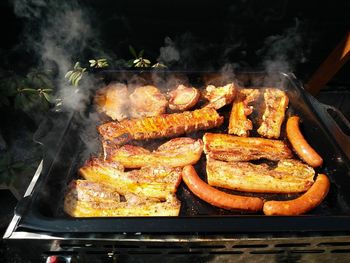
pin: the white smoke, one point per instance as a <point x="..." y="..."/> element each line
<point x="169" y="53"/>
<point x="59" y="32"/>
<point x="283" y="52"/>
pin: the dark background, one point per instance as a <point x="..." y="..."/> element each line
<point x="207" y="33"/>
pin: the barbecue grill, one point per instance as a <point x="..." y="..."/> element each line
<point x="41" y="230"/>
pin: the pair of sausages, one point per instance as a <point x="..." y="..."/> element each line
<point x="312" y="198"/>
<point x="306" y="202"/>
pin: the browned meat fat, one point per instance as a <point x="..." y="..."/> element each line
<point x="276" y="102"/>
<point x="177" y="152"/>
<point x="239" y="123"/>
<point x="166" y="125"/>
<point x="113" y="100"/>
<point x="290" y="176"/>
<point x="234" y="148"/>
<point x="147" y="101"/>
<point x="90" y="199"/>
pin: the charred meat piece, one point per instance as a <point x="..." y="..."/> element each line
<point x="113" y="100"/>
<point x="167" y="125"/>
<point x="276" y="102"/>
<point x="234" y="148"/>
<point x="90" y="199"/>
<point x="218" y="97"/>
<point x="183" y="98"/>
<point x="177" y="152"/>
<point x="147" y="101"/>
<point x="239" y="123"/>
<point x="155" y="182"/>
<point x="290" y="176"/>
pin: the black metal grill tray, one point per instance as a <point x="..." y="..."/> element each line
<point x="42" y="210"/>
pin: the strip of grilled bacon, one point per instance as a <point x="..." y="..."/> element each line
<point x="155" y="182"/>
<point x="177" y="152"/>
<point x="276" y="102"/>
<point x="167" y="125"/>
<point x="239" y="123"/>
<point x="90" y="199"/>
<point x="290" y="176"/>
<point x="234" y="148"/>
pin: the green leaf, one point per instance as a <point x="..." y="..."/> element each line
<point x="47" y="90"/>
<point x="159" y="65"/>
<point x="77" y="65"/>
<point x="28" y="90"/>
<point x="141" y="53"/>
<point x="132" y="51"/>
<point x="47" y="97"/>
<point x="68" y="74"/>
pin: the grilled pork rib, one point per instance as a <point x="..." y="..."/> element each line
<point x="177" y="152"/>
<point x="155" y="182"/>
<point x="167" y="125"/>
<point x="290" y="176"/>
<point x="239" y="123"/>
<point x="90" y="199"/>
<point x="276" y="102"/>
<point x="234" y="148"/>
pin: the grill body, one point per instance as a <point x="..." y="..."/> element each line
<point x="40" y="229"/>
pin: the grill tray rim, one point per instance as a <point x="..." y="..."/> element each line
<point x="197" y="224"/>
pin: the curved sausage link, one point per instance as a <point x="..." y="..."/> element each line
<point x="312" y="198"/>
<point x="300" y="145"/>
<point x="216" y="197"/>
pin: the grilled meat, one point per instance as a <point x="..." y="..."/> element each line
<point x="220" y="96"/>
<point x="290" y="176"/>
<point x="177" y="152"/>
<point x="155" y="182"/>
<point x="239" y="123"/>
<point x="167" y="125"/>
<point x="183" y="98"/>
<point x="147" y="101"/>
<point x="113" y="100"/>
<point x="234" y="148"/>
<point x="90" y="199"/>
<point x="276" y="102"/>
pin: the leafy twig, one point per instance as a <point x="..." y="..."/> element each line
<point x="98" y="63"/>
<point x="75" y="75"/>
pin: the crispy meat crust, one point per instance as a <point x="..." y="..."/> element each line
<point x="218" y="97"/>
<point x="290" y="176"/>
<point x="90" y="199"/>
<point x="183" y="98"/>
<point x="239" y="123"/>
<point x="234" y="148"/>
<point x="147" y="101"/>
<point x="167" y="125"/>
<point x="155" y="182"/>
<point x="113" y="100"/>
<point x="276" y="102"/>
<point x="177" y="152"/>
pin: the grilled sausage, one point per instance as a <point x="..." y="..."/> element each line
<point x="300" y="145"/>
<point x="312" y="198"/>
<point x="218" y="198"/>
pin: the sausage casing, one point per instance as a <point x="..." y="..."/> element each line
<point x="216" y="197"/>
<point x="300" y="145"/>
<point x="312" y="198"/>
